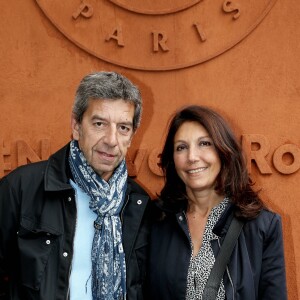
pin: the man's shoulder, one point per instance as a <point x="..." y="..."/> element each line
<point x="28" y="170"/>
<point x="34" y="172"/>
<point x="25" y="177"/>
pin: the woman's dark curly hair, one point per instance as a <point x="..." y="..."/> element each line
<point x="233" y="179"/>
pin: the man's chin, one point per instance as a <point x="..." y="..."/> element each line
<point x="105" y="170"/>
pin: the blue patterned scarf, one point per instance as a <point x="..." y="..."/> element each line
<point x="107" y="198"/>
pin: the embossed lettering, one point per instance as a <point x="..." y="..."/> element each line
<point x="257" y="155"/>
<point x="159" y="40"/>
<point x="117" y="35"/>
<point x="286" y="158"/>
<point x="134" y="166"/>
<point x="85" y="10"/>
<point x="278" y="159"/>
<point x="230" y="6"/>
<point x="200" y="31"/>
<point x="178" y="18"/>
<point x="4" y="151"/>
<point x="153" y="162"/>
<point x="26" y="154"/>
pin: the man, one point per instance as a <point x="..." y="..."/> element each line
<point x="76" y="226"/>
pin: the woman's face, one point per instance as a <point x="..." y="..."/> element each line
<point x="196" y="160"/>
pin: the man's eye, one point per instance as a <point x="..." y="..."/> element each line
<point x="98" y="124"/>
<point x="125" y="129"/>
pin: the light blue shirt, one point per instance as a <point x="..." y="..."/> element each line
<point x="80" y="279"/>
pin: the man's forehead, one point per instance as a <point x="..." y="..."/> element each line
<point x="107" y="108"/>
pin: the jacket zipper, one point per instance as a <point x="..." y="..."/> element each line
<point x="190" y="238"/>
<point x="123" y="208"/>
<point x="192" y="249"/>
<point x="230" y="279"/>
<point x="122" y="219"/>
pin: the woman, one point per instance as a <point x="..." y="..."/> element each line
<point x="206" y="183"/>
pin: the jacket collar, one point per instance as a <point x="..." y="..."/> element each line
<point x="223" y="223"/>
<point x="221" y="226"/>
<point x="171" y="208"/>
<point x="57" y="173"/>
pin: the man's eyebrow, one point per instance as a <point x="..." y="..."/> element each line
<point x="100" y="118"/>
<point x="126" y="123"/>
<point x="94" y="117"/>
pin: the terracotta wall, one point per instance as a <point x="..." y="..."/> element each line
<point x="240" y="57"/>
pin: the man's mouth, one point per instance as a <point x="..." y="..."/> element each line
<point x="106" y="155"/>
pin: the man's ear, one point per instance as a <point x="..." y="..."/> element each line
<point x="75" y="128"/>
<point x="133" y="133"/>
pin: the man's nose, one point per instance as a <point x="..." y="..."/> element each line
<point x="111" y="136"/>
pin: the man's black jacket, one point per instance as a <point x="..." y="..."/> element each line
<point x="37" y="225"/>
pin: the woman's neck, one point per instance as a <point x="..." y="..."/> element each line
<point x="201" y="203"/>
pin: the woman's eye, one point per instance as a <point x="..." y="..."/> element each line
<point x="180" y="147"/>
<point x="205" y="143"/>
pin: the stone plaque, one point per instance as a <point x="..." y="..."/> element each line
<point x="153" y="34"/>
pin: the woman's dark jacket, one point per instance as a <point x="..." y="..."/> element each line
<point x="37" y="226"/>
<point x="256" y="269"/>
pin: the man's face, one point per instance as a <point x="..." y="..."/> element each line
<point x="104" y="134"/>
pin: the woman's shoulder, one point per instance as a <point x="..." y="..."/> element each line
<point x="267" y="224"/>
<point x="267" y="216"/>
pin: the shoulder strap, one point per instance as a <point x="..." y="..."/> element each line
<point x="213" y="283"/>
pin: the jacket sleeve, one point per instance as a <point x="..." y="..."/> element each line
<point x="8" y="233"/>
<point x="273" y="279"/>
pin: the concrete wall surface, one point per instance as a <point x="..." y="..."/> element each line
<point x="241" y="57"/>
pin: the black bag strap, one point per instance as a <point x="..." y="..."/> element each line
<point x="213" y="283"/>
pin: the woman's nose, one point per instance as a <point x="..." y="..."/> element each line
<point x="192" y="155"/>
